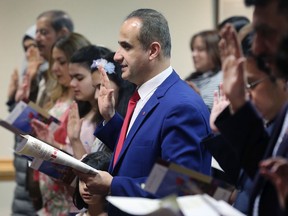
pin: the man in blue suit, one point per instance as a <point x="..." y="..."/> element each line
<point x="169" y="120"/>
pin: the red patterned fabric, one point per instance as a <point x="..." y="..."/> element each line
<point x="131" y="106"/>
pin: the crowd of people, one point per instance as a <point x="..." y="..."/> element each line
<point x="120" y="111"/>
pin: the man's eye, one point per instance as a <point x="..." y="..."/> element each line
<point x="62" y="62"/>
<point x="126" y="47"/>
<point x="43" y="32"/>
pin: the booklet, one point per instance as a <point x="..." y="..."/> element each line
<point x="191" y="205"/>
<point x="60" y="172"/>
<point x="37" y="149"/>
<point x="23" y="113"/>
<point x="42" y="156"/>
<point x="168" y="178"/>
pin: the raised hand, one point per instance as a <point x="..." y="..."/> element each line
<point x="276" y="170"/>
<point x="106" y="100"/>
<point x="229" y="43"/>
<point x="232" y="67"/>
<point x="24" y="89"/>
<point x="219" y="104"/>
<point x="74" y="123"/>
<point x="13" y="85"/>
<point x="34" y="60"/>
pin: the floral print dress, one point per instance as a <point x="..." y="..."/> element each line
<point x="55" y="195"/>
<point x="56" y="199"/>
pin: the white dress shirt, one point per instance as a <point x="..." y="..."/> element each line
<point x="146" y="90"/>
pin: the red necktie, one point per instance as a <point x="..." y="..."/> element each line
<point x="131" y="106"/>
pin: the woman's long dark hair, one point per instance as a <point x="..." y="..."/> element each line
<point x="126" y="88"/>
<point x="85" y="57"/>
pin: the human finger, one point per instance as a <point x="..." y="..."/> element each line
<point x="215" y="97"/>
<point x="104" y="78"/>
<point x="222" y="49"/>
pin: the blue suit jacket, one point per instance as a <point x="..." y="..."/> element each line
<point x="170" y="126"/>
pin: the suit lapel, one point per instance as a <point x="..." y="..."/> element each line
<point x="260" y="181"/>
<point x="145" y="112"/>
<point x="276" y="131"/>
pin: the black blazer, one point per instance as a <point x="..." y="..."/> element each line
<point x="250" y="141"/>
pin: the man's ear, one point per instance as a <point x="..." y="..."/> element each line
<point x="63" y="32"/>
<point x="155" y="49"/>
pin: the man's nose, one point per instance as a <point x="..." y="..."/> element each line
<point x="117" y="56"/>
<point x="37" y="37"/>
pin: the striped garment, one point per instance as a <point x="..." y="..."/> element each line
<point x="207" y="83"/>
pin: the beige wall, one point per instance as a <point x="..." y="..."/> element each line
<point x="229" y="8"/>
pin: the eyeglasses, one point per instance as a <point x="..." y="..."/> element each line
<point x="250" y="86"/>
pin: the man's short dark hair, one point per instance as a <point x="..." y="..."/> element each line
<point x="59" y="19"/>
<point x="283" y="4"/>
<point x="282" y="58"/>
<point x="154" y="28"/>
<point x="256" y="2"/>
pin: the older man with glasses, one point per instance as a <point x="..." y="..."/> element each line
<point x="239" y="124"/>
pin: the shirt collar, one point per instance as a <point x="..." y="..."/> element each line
<point x="152" y="84"/>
